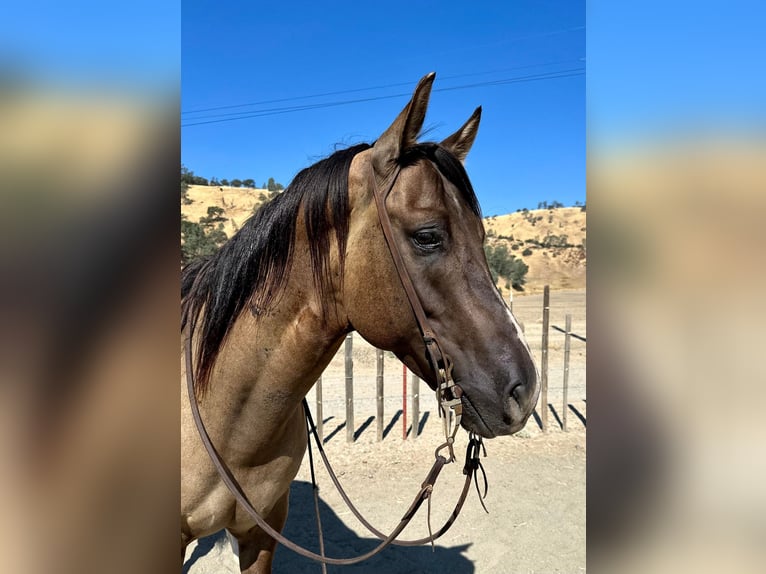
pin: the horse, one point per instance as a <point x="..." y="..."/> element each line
<point x="265" y="315"/>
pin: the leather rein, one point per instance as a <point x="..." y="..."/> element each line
<point x="448" y="396"/>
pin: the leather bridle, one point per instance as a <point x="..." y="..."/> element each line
<point x="449" y="398"/>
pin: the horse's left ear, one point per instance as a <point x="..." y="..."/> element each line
<point x="461" y="141"/>
<point x="404" y="131"/>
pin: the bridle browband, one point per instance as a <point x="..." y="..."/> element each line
<point x="448" y="396"/>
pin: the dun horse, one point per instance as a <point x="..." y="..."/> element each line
<point x="266" y="314"/>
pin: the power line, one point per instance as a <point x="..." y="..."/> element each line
<point x="382" y="87"/>
<point x="219" y="118"/>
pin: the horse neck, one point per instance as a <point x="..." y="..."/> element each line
<point x="270" y="360"/>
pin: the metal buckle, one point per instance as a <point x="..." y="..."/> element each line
<point x="448" y="388"/>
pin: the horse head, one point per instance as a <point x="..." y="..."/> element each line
<point x="437" y="226"/>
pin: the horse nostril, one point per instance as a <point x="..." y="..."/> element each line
<point x="516" y="391"/>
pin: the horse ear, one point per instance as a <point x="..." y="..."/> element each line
<point x="404" y="131"/>
<point x="461" y="141"/>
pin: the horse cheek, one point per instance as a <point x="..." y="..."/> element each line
<point x="374" y="297"/>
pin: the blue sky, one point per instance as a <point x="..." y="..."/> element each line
<point x="531" y="144"/>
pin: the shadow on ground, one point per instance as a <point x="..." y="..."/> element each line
<point x="342" y="542"/>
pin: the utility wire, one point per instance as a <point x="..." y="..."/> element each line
<point x="382" y="87"/>
<point x="219" y="118"/>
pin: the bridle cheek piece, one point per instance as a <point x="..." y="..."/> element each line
<point x="448" y="393"/>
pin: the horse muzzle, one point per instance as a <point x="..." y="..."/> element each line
<point x="489" y="413"/>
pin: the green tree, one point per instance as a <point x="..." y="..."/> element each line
<point x="518" y="274"/>
<point x="248" y="183"/>
<point x="188" y="177"/>
<point x="200" y="239"/>
<point x="236" y="183"/>
<point x="214" y="215"/>
<point x="503" y="264"/>
<point x="225" y="182"/>
<point x="554" y="241"/>
<point x="271" y="185"/>
<point x="184" y="193"/>
<point x="197" y="242"/>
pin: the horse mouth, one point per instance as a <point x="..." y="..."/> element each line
<point x="512" y="419"/>
<point x="473" y="422"/>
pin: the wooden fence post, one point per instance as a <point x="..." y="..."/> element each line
<point x="544" y="359"/>
<point x="404" y="401"/>
<point x="568" y="327"/>
<point x="349" y="388"/>
<point x="415" y="405"/>
<point x="379" y="387"/>
<point x="320" y="417"/>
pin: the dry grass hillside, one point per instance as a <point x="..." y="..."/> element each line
<point x="238" y="203"/>
<point x="551" y="241"/>
<point x="554" y="239"/>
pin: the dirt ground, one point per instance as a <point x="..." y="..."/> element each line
<point x="536" y="499"/>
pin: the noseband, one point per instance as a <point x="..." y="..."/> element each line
<point x="448" y="394"/>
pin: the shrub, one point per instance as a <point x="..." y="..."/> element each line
<point x="198" y="240"/>
<point x="214" y="215"/>
<point x="184" y="193"/>
<point x="503" y="264"/>
<point x="187" y="176"/>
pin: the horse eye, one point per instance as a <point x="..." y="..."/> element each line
<point x="428" y="240"/>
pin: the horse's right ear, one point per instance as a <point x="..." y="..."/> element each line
<point x="404" y="131"/>
<point x="461" y="141"/>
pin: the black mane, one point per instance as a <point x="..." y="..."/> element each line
<point x="253" y="266"/>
